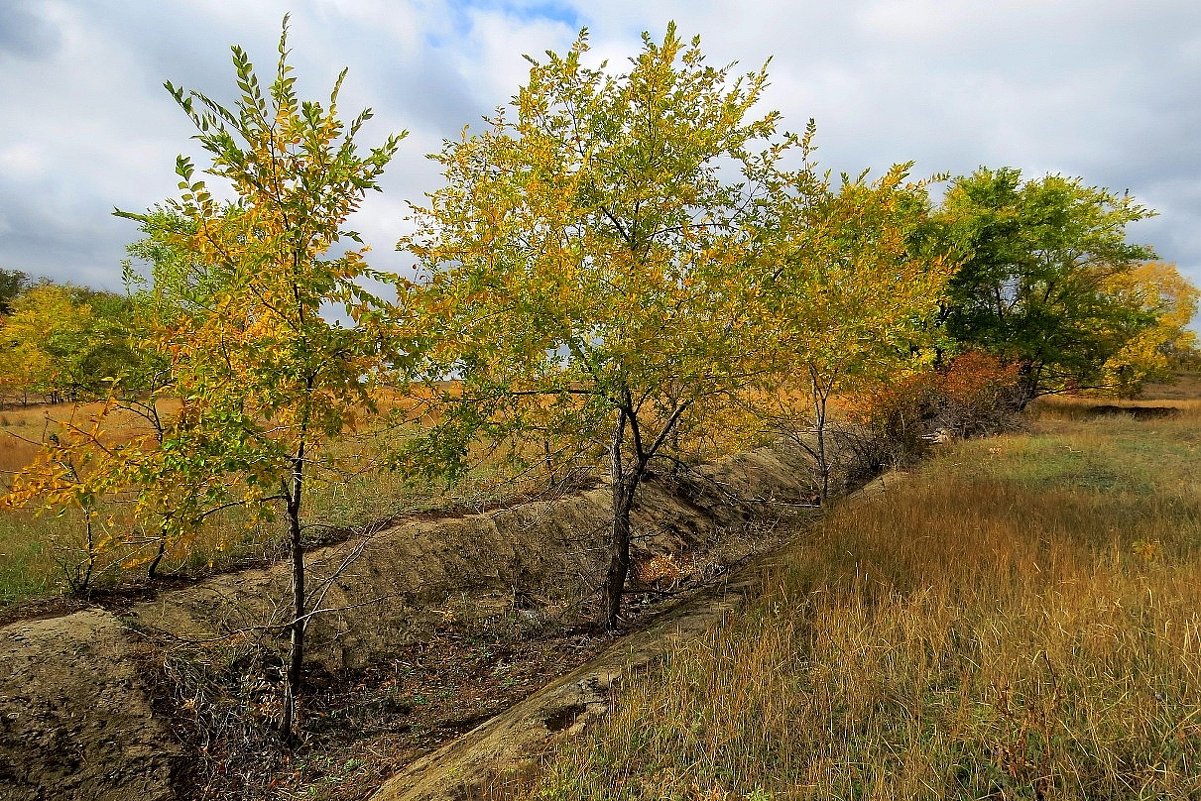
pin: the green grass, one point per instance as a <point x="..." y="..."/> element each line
<point x="1021" y="621"/>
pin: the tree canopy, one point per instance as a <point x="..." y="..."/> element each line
<point x="585" y="254"/>
<point x="846" y="298"/>
<point x="1043" y="258"/>
<point x="64" y="342"/>
<point x="12" y="284"/>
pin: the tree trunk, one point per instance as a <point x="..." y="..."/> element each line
<point x="673" y="440"/>
<point x="294" y="676"/>
<point x="819" y="420"/>
<point x="549" y="461"/>
<point x="1029" y="379"/>
<point x="625" y="484"/>
<point x="619" y="552"/>
<point x="84" y="581"/>
<point x="152" y="570"/>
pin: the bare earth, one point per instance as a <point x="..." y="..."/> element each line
<point x="436" y="626"/>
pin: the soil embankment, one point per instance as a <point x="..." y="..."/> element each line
<point x="76" y="719"/>
<point x="511" y="743"/>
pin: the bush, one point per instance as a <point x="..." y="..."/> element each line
<point x="974" y="395"/>
<point x="978" y="395"/>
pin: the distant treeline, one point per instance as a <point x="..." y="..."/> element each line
<point x="60" y="342"/>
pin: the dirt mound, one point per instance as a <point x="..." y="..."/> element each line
<point x="75" y="722"/>
<point x="390" y="588"/>
<point x="511" y="743"/>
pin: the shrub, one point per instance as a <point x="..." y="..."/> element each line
<point x="978" y="395"/>
<point x="975" y="394"/>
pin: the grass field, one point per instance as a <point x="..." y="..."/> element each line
<point x="1021" y="621"/>
<point x="39" y="547"/>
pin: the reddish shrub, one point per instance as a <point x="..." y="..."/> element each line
<point x="975" y="394"/>
<point x="978" y="395"/>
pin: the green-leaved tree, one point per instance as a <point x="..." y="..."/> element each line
<point x="1037" y="286"/>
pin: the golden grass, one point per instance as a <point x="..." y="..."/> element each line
<point x="23" y="428"/>
<point x="1021" y="620"/>
<point x="1185" y="385"/>
<point x="39" y="548"/>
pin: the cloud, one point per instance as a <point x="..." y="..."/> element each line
<point x="77" y="244"/>
<point x="26" y="31"/>
<point x="489" y="44"/>
<point x="1103" y="89"/>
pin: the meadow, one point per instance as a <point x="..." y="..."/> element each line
<point x="40" y="548"/>
<point x="1020" y="619"/>
<point x="1017" y="619"/>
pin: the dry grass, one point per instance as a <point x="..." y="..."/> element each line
<point x="1022" y="621"/>
<point x="1186" y="386"/>
<point x="39" y="548"/>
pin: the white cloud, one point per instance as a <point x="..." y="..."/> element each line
<point x="489" y="48"/>
<point x="1106" y="89"/>
<point x="22" y="160"/>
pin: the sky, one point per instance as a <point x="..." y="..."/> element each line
<point x="1107" y="90"/>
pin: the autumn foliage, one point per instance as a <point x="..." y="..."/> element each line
<point x="586" y="262"/>
<point x="974" y="394"/>
<point x="633" y="269"/>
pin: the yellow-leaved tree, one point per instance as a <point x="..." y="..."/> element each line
<point x="71" y="471"/>
<point x="584" y="257"/>
<point x="46" y="342"/>
<point x="848" y="296"/>
<point x="267" y="380"/>
<point x="1165" y="303"/>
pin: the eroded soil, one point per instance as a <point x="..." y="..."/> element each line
<point x="362" y="727"/>
<point x="432" y="627"/>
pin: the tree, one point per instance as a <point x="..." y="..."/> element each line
<point x="161" y="469"/>
<point x="1042" y="257"/>
<point x="63" y="341"/>
<point x="70" y="472"/>
<point x="51" y="336"/>
<point x="266" y="380"/>
<point x="26" y="364"/>
<point x="12" y="284"/>
<point x="582" y="259"/>
<point x="1151" y="352"/>
<point x="850" y="290"/>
